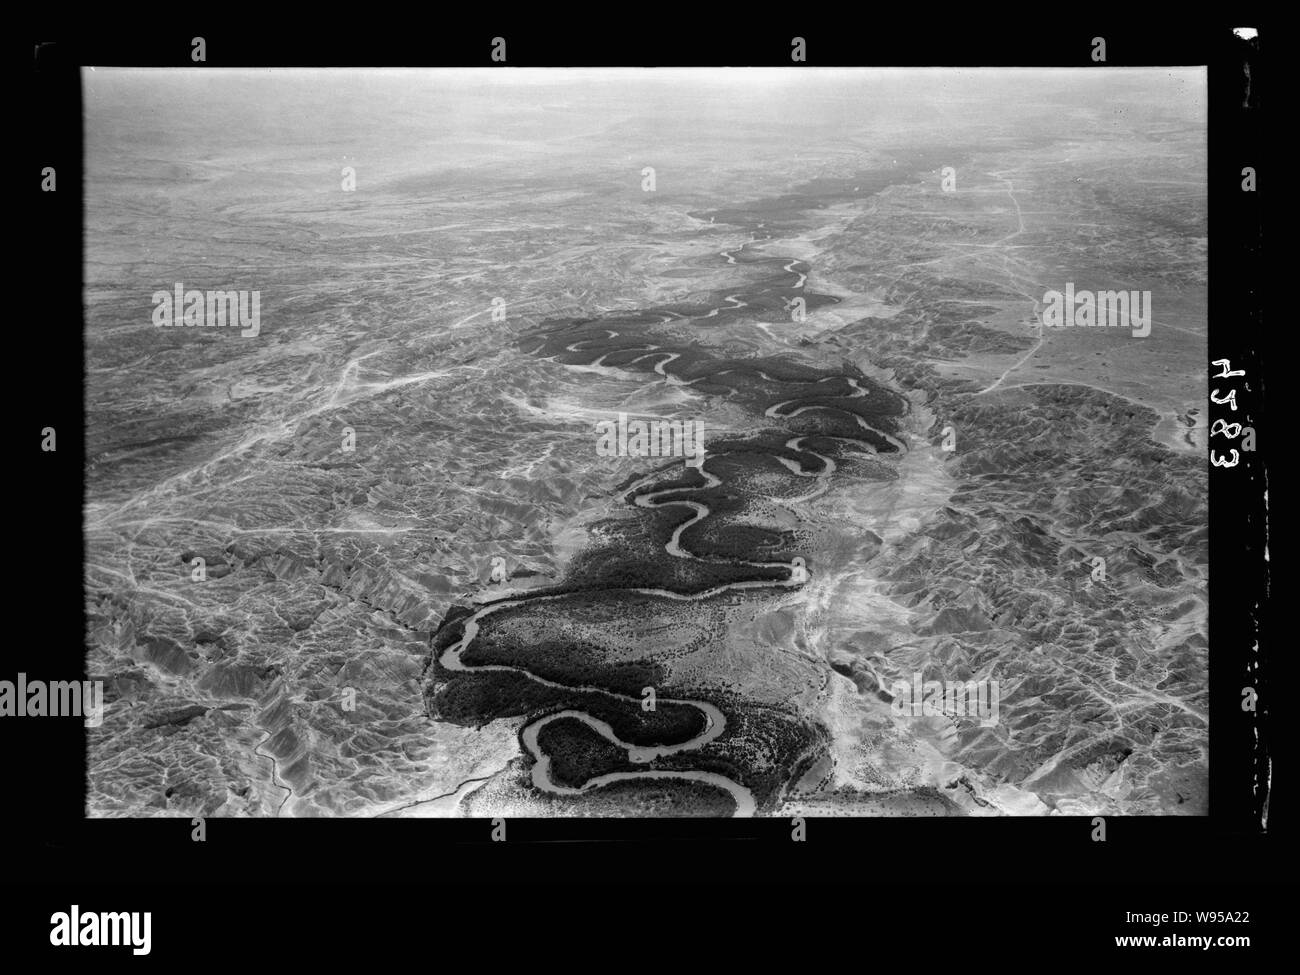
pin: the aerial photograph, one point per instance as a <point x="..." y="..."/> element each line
<point x="646" y="442"/>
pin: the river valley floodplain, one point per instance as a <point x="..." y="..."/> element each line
<point x="427" y="590"/>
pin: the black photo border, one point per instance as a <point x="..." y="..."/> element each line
<point x="45" y="762"/>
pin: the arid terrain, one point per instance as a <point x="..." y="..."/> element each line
<point x="370" y="561"/>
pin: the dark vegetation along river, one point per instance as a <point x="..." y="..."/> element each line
<point x="693" y="536"/>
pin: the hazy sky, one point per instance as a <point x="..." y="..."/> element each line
<point x="406" y="120"/>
